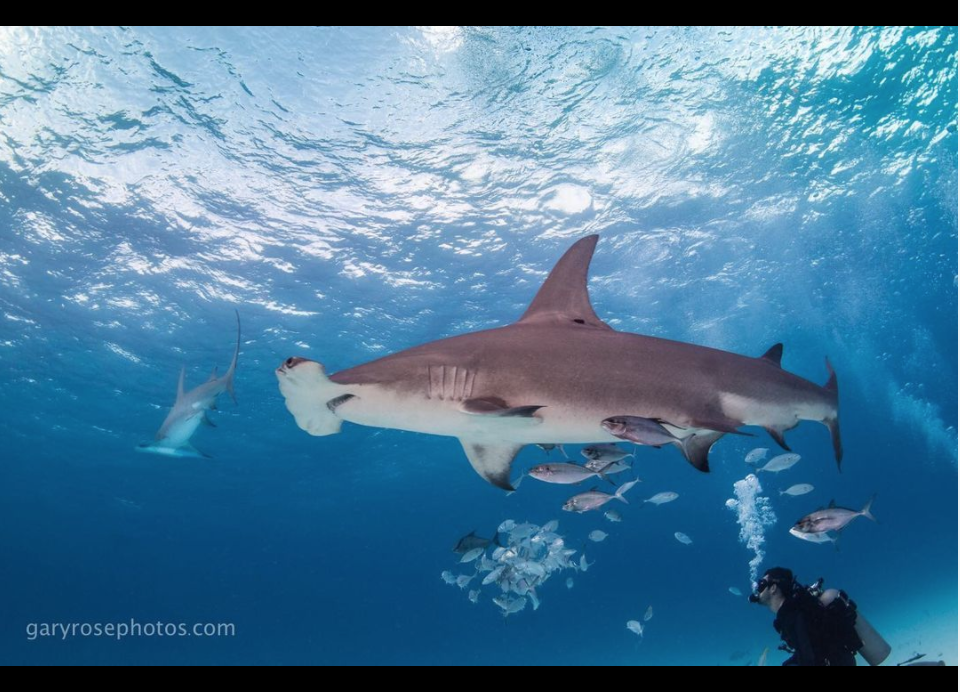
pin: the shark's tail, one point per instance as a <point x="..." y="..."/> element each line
<point x="833" y="422"/>
<point x="233" y="364"/>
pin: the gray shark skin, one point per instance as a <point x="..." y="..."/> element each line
<point x="190" y="410"/>
<point x="552" y="378"/>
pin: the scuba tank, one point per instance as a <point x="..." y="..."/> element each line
<point x="875" y="649"/>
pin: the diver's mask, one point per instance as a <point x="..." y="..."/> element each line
<point x="762" y="586"/>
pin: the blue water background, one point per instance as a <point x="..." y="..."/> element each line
<point x="353" y="192"/>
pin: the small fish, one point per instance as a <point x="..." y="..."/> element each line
<point x="641" y="431"/>
<point x="763" y="658"/>
<point x="822" y="537"/>
<point x="832" y="518"/>
<point x="463" y="581"/>
<point x="449" y="578"/>
<point x="510" y="605"/>
<point x="594" y="499"/>
<point x="550" y="526"/>
<point x="472" y="541"/>
<point x="662" y="498"/>
<point x="597" y="536"/>
<point x="534" y="600"/>
<point x="549" y="448"/>
<point x="735" y="591"/>
<point x="648" y="616"/>
<point x="507" y="526"/>
<point x="471" y="555"/>
<point x="607" y="468"/>
<point x="797" y="490"/>
<point x="780" y="463"/>
<point x="755" y="456"/>
<point x="569" y="582"/>
<point x="565" y="473"/>
<point x="474" y="596"/>
<point x="683" y="538"/>
<point x="584" y="565"/>
<point x="608" y="453"/>
<point x="635" y="627"/>
<point x="613" y="516"/>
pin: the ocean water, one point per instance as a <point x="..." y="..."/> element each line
<point x="354" y="192"/>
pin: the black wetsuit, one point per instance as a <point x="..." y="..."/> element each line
<point x="810" y="648"/>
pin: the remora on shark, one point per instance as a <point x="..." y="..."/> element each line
<point x="190" y="410"/>
<point x="552" y="377"/>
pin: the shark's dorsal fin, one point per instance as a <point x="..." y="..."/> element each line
<point x="214" y="374"/>
<point x="774" y="354"/>
<point x="832" y="505"/>
<point x="180" y="384"/>
<point x="563" y="299"/>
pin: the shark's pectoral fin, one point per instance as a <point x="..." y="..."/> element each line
<point x="492" y="462"/>
<point x="497" y="407"/>
<point x="696" y="448"/>
<point x="208" y="422"/>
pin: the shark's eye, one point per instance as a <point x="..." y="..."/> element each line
<point x="289" y="362"/>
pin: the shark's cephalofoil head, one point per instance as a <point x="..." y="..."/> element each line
<point x="308" y="392"/>
<point x="292" y="362"/>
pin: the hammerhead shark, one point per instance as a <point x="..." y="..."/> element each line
<point x="552" y="378"/>
<point x="190" y="410"/>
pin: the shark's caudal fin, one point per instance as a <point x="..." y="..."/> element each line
<point x="233" y="364"/>
<point x="492" y="462"/>
<point x="833" y="422"/>
<point x="563" y="298"/>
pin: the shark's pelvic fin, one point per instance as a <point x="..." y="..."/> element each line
<point x="492" y="462"/>
<point x="774" y="354"/>
<point x="497" y="407"/>
<point x="563" y="298"/>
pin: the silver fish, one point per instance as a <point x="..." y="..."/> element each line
<point x="594" y="499"/>
<point x="780" y="463"/>
<point x="565" y="473"/>
<point x="832" y="518"/>
<point x="662" y="498"/>
<point x="605" y="453"/>
<point x="635" y="627"/>
<point x="755" y="456"/>
<point x="683" y="538"/>
<point x="613" y="516"/>
<point x="641" y="431"/>
<point x="598" y="536"/>
<point x="797" y="490"/>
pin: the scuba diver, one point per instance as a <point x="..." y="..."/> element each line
<point x="819" y="628"/>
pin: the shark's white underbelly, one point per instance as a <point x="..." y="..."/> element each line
<point x="558" y="424"/>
